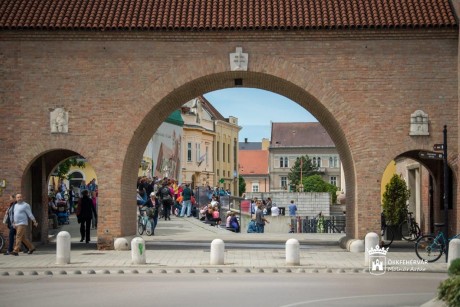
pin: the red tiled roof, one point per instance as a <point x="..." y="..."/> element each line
<point x="253" y="162"/>
<point x="300" y="135"/>
<point x="205" y="15"/>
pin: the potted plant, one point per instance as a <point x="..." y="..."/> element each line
<point x="395" y="203"/>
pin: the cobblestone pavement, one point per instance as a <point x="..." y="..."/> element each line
<point x="168" y="251"/>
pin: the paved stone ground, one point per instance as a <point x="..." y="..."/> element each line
<point x="318" y="253"/>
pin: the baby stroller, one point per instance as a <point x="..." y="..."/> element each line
<point x="62" y="213"/>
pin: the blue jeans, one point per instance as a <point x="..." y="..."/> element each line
<point x="186" y="205"/>
<point x="260" y="228"/>
<point x="154" y="221"/>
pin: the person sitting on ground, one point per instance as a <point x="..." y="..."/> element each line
<point x="229" y="217"/>
<point x="216" y="215"/>
<point x="234" y="224"/>
<point x="275" y="210"/>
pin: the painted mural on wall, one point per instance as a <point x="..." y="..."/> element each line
<point x="163" y="152"/>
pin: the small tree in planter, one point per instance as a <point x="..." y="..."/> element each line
<point x="395" y="202"/>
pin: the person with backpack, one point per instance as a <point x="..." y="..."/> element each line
<point x="166" y="198"/>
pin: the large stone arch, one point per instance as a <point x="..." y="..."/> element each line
<point x="299" y="85"/>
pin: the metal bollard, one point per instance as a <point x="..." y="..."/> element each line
<point x="138" y="251"/>
<point x="63" y="248"/>
<point x="292" y="252"/>
<point x="217" y="252"/>
<point x="454" y="251"/>
<point x="370" y="241"/>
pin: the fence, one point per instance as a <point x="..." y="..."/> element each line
<point x="325" y="224"/>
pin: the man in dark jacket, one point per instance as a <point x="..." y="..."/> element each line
<point x="85" y="212"/>
<point x="166" y="198"/>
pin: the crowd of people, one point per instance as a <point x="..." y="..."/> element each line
<point x="162" y="198"/>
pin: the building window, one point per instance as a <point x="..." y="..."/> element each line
<point x="317" y="161"/>
<point x="255" y="187"/>
<point x="333" y="180"/>
<point x="189" y="152"/>
<point x="223" y="152"/>
<point x="228" y="153"/>
<point x="218" y="151"/>
<point x="207" y="151"/>
<point x="284" y="162"/>
<point x="283" y="182"/>
<point x="218" y="173"/>
<point x="333" y="162"/>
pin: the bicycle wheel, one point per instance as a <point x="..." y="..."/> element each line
<point x="2" y="242"/>
<point x="410" y="232"/>
<point x="140" y="227"/>
<point x="387" y="236"/>
<point x="429" y="248"/>
<point x="148" y="228"/>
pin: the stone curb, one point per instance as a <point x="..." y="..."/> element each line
<point x="136" y="270"/>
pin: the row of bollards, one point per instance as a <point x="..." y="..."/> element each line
<point x="138" y="255"/>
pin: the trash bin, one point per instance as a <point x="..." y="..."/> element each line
<point x="282" y="210"/>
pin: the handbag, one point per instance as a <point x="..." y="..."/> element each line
<point x="150" y="211"/>
<point x="6" y="219"/>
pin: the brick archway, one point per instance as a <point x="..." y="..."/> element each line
<point x="119" y="87"/>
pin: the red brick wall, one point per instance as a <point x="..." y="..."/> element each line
<point x="361" y="85"/>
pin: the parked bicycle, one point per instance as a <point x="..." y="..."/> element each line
<point x="409" y="228"/>
<point x="143" y="223"/>
<point x="386" y="233"/>
<point x="431" y="247"/>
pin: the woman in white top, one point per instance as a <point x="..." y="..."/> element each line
<point x="275" y="210"/>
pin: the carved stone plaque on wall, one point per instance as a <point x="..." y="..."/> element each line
<point x="59" y="121"/>
<point x="419" y="123"/>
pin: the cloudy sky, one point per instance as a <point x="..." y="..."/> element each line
<point x="256" y="109"/>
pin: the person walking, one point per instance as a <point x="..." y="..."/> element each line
<point x="8" y="220"/>
<point x="85" y="211"/>
<point x="153" y="204"/>
<point x="187" y="194"/>
<point x="166" y="198"/>
<point x="292" y="209"/>
<point x="21" y="215"/>
<point x="260" y="220"/>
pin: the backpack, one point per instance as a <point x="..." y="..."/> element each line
<point x="165" y="194"/>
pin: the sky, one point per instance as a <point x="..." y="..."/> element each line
<point x="256" y="109"/>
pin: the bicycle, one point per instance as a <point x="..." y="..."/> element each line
<point x="143" y="223"/>
<point x="409" y="228"/>
<point x="430" y="247"/>
<point x="386" y="233"/>
<point x="2" y="241"/>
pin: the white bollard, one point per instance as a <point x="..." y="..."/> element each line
<point x="370" y="241"/>
<point x="138" y="251"/>
<point x="121" y="244"/>
<point x="357" y="246"/>
<point x="454" y="251"/>
<point x="63" y="248"/>
<point x="292" y="252"/>
<point x="217" y="252"/>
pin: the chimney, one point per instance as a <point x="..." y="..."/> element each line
<point x="245" y="140"/>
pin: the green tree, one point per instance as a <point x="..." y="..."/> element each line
<point x="308" y="169"/>
<point x="395" y="200"/>
<point x="241" y="185"/>
<point x="315" y="183"/>
<point x="64" y="167"/>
